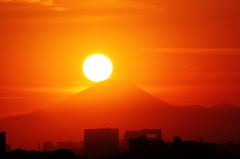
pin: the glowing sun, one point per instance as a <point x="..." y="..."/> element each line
<point x="97" y="67"/>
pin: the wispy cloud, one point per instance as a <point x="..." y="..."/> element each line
<point x="43" y="2"/>
<point x="11" y="97"/>
<point x="193" y="50"/>
<point x="48" y="87"/>
<point x="40" y="2"/>
<point x="59" y="8"/>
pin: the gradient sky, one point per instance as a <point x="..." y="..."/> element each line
<point x="182" y="51"/>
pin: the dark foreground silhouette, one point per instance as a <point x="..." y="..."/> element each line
<point x="139" y="148"/>
<point x="23" y="154"/>
<point x="104" y="144"/>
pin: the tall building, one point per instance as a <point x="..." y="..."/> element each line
<point x="97" y="140"/>
<point x="2" y="143"/>
<point x="151" y="134"/>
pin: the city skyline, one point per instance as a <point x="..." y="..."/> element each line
<point x="121" y="104"/>
<point x="70" y="65"/>
<point x="104" y="143"/>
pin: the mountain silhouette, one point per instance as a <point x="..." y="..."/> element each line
<point x="111" y="96"/>
<point x="120" y="104"/>
<point x="225" y="108"/>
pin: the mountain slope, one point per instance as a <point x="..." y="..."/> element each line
<point x="119" y="104"/>
<point x="109" y="95"/>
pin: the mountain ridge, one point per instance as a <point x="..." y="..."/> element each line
<point x="123" y="105"/>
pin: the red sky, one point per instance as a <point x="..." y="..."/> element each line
<point x="183" y="52"/>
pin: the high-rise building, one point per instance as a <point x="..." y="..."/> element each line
<point x="2" y="143"/>
<point x="151" y="134"/>
<point x="97" y="140"/>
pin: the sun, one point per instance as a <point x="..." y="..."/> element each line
<point x="97" y="67"/>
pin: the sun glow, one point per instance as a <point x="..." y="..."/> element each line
<point x="97" y="67"/>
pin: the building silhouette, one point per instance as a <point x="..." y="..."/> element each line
<point x="230" y="148"/>
<point x="75" y="147"/>
<point x="200" y="140"/>
<point x="151" y="134"/>
<point x="2" y="144"/>
<point x="47" y="146"/>
<point x="142" y="148"/>
<point x="191" y="149"/>
<point x="8" y="148"/>
<point x="65" y="145"/>
<point x="97" y="140"/>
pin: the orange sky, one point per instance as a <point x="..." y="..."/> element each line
<point x="184" y="52"/>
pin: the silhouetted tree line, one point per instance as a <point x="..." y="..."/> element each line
<point x="58" y="154"/>
<point x="169" y="154"/>
<point x="149" y="154"/>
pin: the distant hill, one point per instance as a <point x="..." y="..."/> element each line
<point x="225" y="108"/>
<point x="121" y="104"/>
